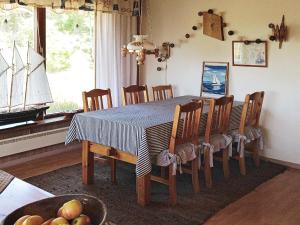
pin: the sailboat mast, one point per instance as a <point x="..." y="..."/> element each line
<point x="12" y="76"/>
<point x="27" y="75"/>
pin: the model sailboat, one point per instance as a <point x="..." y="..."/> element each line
<point x="29" y="90"/>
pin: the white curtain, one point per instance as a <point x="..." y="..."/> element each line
<point x="112" y="70"/>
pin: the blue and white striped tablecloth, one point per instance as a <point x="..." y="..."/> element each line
<point x="143" y="130"/>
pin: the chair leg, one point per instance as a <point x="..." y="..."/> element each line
<point x="256" y="155"/>
<point x="242" y="164"/>
<point x="172" y="186"/>
<point x="226" y="169"/>
<point x="87" y="164"/>
<point x="195" y="176"/>
<point x="113" y="170"/>
<point x="207" y="169"/>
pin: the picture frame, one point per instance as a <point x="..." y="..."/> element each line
<point x="215" y="77"/>
<point x="250" y="53"/>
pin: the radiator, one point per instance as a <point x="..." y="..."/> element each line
<point x="32" y="141"/>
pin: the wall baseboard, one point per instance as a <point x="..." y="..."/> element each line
<point x="280" y="162"/>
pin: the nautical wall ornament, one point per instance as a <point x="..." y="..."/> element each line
<point x="280" y="32"/>
<point x="213" y="25"/>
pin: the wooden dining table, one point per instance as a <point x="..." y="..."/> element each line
<point x="135" y="134"/>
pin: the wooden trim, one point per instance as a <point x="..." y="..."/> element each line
<point x="95" y="47"/>
<point x="41" y="31"/>
<point x="281" y="162"/>
<point x="266" y="54"/>
<point x="36" y="127"/>
<point x="138" y="31"/>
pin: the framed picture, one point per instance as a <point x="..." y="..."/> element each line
<point x="249" y="54"/>
<point x="215" y="79"/>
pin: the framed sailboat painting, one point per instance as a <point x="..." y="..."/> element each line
<point x="215" y="79"/>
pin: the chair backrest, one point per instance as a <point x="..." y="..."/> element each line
<point x="135" y="94"/>
<point x="218" y="118"/>
<point x="162" y="92"/>
<point x="251" y="110"/>
<point x="93" y="100"/>
<point x="186" y="124"/>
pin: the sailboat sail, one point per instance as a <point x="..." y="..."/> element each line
<point x="17" y="85"/>
<point x="37" y="90"/>
<point x="3" y="83"/>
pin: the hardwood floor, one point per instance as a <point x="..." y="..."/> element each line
<point x="44" y="165"/>
<point x="276" y="202"/>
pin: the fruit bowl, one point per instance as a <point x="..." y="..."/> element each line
<point x="47" y="208"/>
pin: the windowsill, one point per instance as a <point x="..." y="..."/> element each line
<point x="60" y="114"/>
<point x="36" y="127"/>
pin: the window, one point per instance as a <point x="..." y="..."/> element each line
<point x="16" y="25"/>
<point x="69" y="50"/>
<point x="70" y="57"/>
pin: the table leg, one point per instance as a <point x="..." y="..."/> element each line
<point x="87" y="164"/>
<point x="113" y="172"/>
<point x="143" y="189"/>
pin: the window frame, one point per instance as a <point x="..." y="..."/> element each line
<point x="40" y="41"/>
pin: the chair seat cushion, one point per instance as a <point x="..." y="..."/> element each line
<point x="251" y="134"/>
<point x="184" y="153"/>
<point x="216" y="144"/>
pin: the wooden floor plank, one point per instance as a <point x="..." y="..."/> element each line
<point x="276" y="202"/>
<point x="45" y="165"/>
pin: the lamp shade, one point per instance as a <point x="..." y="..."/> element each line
<point x="140" y="43"/>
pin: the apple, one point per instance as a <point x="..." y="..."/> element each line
<point x="71" y="209"/>
<point x="48" y="222"/>
<point x="59" y="221"/>
<point x="33" y="220"/>
<point x="59" y="212"/>
<point x="21" y="220"/>
<point x="82" y="220"/>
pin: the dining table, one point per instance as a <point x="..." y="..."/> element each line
<point x="133" y="133"/>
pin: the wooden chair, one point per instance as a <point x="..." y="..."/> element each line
<point x="218" y="121"/>
<point x="162" y="92"/>
<point x="250" y="120"/>
<point x="185" y="131"/>
<point x="93" y="100"/>
<point x="135" y="94"/>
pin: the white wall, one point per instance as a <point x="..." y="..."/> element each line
<point x="172" y="19"/>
